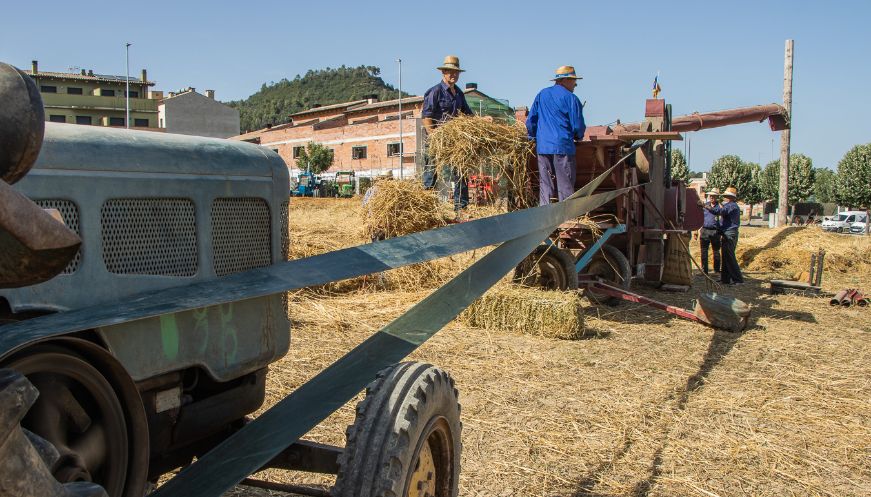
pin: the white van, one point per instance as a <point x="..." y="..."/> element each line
<point x="842" y="222"/>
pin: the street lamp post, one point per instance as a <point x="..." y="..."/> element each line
<point x="127" y="81"/>
<point x="401" y="147"/>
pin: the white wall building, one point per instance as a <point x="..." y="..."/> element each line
<point x="190" y="113"/>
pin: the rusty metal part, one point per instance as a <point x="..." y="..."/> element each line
<point x="778" y="119"/>
<point x="22" y="123"/>
<point x="847" y="301"/>
<point x="23" y="464"/>
<point x="34" y="246"/>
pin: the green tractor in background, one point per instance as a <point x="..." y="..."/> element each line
<point x="344" y="184"/>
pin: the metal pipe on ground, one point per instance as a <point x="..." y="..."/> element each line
<point x="847" y="301"/>
<point x="836" y="300"/>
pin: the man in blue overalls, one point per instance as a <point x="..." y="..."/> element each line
<point x="730" y="220"/>
<point x="710" y="233"/>
<point x="440" y="103"/>
<point x="555" y="121"/>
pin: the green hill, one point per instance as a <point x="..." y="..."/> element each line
<point x="275" y="102"/>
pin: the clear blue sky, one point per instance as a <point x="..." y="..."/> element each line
<point x="710" y="55"/>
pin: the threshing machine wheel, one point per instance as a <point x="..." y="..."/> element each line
<point x="548" y="267"/>
<point x="611" y="266"/>
<point x="80" y="412"/>
<point x="405" y="440"/>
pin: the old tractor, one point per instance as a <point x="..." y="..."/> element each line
<point x="344" y="184"/>
<point x="99" y="219"/>
<point x="627" y="237"/>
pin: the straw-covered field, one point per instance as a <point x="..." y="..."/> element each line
<point x="645" y="404"/>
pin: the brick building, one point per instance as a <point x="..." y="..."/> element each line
<point x="364" y="134"/>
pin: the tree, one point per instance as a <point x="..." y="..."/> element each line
<point x="679" y="169"/>
<point x="801" y="178"/>
<point x="730" y="170"/>
<point x="824" y="185"/>
<point x="769" y="181"/>
<point x="754" y="194"/>
<point x="315" y="157"/>
<point x="854" y="180"/>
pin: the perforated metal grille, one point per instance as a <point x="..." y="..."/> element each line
<point x="70" y="214"/>
<point x="154" y="236"/>
<point x="240" y="234"/>
<point x="285" y="235"/>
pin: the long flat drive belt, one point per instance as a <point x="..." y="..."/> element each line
<point x="254" y="445"/>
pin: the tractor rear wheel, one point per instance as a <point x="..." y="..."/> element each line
<point x="612" y="267"/>
<point x="548" y="267"/>
<point x="405" y="440"/>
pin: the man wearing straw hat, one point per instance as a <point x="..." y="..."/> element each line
<point x="555" y="120"/>
<point x="440" y="103"/>
<point x="709" y="235"/>
<point x="730" y="219"/>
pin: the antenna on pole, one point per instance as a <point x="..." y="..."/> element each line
<point x="127" y="82"/>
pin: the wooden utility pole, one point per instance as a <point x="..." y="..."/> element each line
<point x="783" y="191"/>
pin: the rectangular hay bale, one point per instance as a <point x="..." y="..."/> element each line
<point x="526" y="310"/>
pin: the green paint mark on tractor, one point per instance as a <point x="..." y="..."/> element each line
<point x="169" y="336"/>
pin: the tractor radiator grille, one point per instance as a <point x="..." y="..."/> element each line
<point x="153" y="236"/>
<point x="240" y="234"/>
<point x="70" y="214"/>
<point x="285" y="249"/>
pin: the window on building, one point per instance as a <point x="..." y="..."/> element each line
<point x="116" y="121"/>
<point x="55" y="118"/>
<point x="107" y="93"/>
<point x="134" y="94"/>
<point x="74" y="91"/>
<point x="358" y="152"/>
<point x="297" y="151"/>
<point x="140" y="123"/>
<point x="48" y="89"/>
<point x="83" y="120"/>
<point x="275" y="150"/>
<point x="392" y="149"/>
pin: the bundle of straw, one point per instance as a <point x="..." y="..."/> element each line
<point x="477" y="145"/>
<point x="528" y="310"/>
<point x="397" y="208"/>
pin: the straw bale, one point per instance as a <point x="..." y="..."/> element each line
<point x="788" y="250"/>
<point x="477" y="145"/>
<point x="399" y="208"/>
<point x="528" y="310"/>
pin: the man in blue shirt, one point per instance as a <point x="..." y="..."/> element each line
<point x="440" y="103"/>
<point x="709" y="235"/>
<point x="555" y="121"/>
<point x="730" y="219"/>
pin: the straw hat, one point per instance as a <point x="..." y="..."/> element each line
<point x="731" y="192"/>
<point x="451" y="63"/>
<point x="714" y="191"/>
<point x="565" y="72"/>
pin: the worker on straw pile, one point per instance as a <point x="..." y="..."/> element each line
<point x="730" y="219"/>
<point x="440" y="103"/>
<point x="709" y="235"/>
<point x="555" y="121"/>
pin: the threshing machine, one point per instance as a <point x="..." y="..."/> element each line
<point x="632" y="229"/>
<point x="344" y="184"/>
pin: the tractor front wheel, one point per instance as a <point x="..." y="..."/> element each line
<point x="405" y="440"/>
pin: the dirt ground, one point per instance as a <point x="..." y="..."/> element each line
<point x="651" y="406"/>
